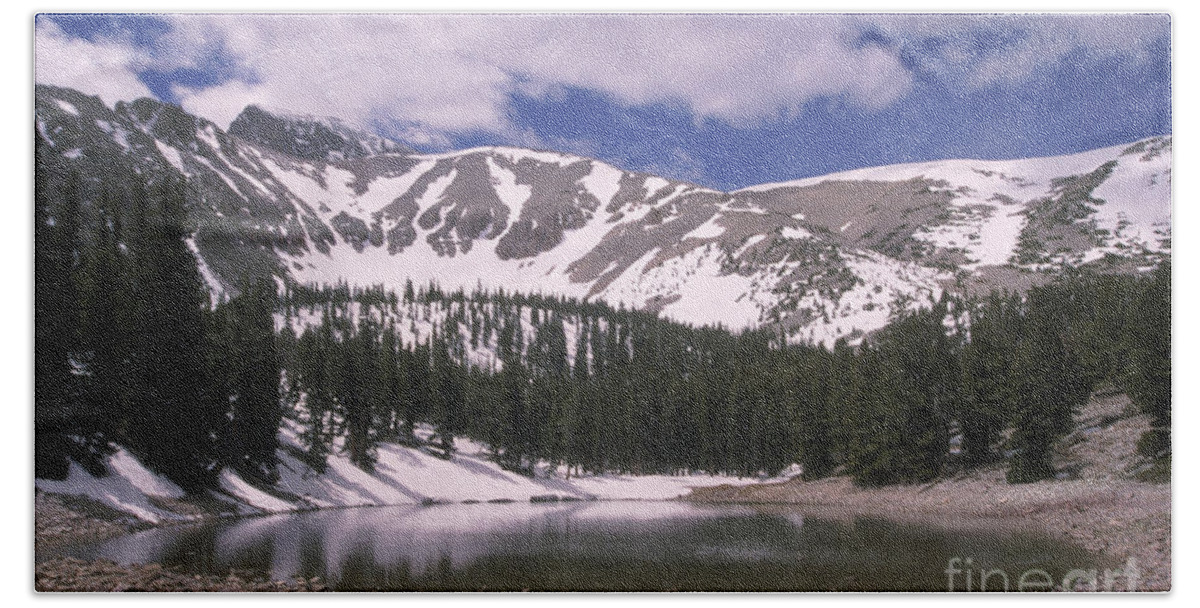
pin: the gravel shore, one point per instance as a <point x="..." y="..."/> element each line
<point x="69" y="574"/>
<point x="1104" y="508"/>
<point x="61" y="520"/>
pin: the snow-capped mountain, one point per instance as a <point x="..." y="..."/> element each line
<point x="820" y="257"/>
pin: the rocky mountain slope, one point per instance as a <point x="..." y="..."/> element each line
<point x="825" y="257"/>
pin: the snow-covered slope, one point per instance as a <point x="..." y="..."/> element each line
<point x="989" y="202"/>
<point x="403" y="475"/>
<point x="820" y="258"/>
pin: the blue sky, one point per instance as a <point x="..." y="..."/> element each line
<point x="725" y="101"/>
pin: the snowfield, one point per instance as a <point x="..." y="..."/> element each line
<point x="403" y="475"/>
<point x="127" y="488"/>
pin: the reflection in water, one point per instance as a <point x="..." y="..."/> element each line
<point x="593" y="546"/>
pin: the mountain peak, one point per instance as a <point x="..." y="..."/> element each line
<point x="308" y="137"/>
<point x="819" y="258"/>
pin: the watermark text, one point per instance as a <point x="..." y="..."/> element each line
<point x="965" y="575"/>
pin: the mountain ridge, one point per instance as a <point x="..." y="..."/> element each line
<point x="309" y="137"/>
<point x="819" y="258"/>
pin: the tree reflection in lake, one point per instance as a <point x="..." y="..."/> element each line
<point x="588" y="546"/>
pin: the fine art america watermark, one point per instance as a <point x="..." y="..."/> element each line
<point x="965" y="575"/>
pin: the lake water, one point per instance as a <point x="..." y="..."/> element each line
<point x="616" y="546"/>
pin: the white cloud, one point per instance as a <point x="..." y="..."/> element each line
<point x="424" y="76"/>
<point x="739" y="69"/>
<point x="361" y="68"/>
<point x="441" y="73"/>
<point x="222" y="103"/>
<point x="108" y="69"/>
<point x="982" y="50"/>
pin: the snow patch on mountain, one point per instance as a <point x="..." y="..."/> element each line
<point x="710" y="229"/>
<point x="697" y="279"/>
<point x="480" y="266"/>
<point x="603" y="182"/>
<point x="1134" y="195"/>
<point x="790" y="232"/>
<point x="67" y="107"/>
<point x="512" y="194"/>
<point x="653" y="184"/>
<point x="541" y="156"/>
<point x="986" y="229"/>
<point x="297" y="177"/>
<point x="882" y="288"/>
<point x="169" y="153"/>
<point x="384" y="190"/>
<point x="214" y="285"/>
<point x="434" y="192"/>
<point x="225" y="178"/>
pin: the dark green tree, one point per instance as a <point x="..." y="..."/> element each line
<point x="56" y="315"/>
<point x="1051" y="385"/>
<point x="251" y="434"/>
<point x="1149" y="377"/>
<point x="176" y="409"/>
<point x="989" y="394"/>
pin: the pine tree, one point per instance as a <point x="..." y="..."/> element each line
<point x="56" y="225"/>
<point x="513" y="384"/>
<point x="1051" y="386"/>
<point x="1149" y="377"/>
<point x="447" y="387"/>
<point x="392" y="385"/>
<point x="254" y="400"/>
<point x="359" y="393"/>
<point x="108" y="336"/>
<point x="988" y="373"/>
<point x="812" y="372"/>
<point x="548" y="367"/>
<point x="901" y="430"/>
<point x="315" y="368"/>
<point x="178" y="412"/>
<point x="287" y="343"/>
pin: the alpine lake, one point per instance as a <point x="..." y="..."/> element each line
<point x="601" y="546"/>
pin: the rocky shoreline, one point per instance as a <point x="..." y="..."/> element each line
<point x="1103" y="508"/>
<point x="1117" y="522"/>
<point x="62" y="520"/>
<point x="70" y="574"/>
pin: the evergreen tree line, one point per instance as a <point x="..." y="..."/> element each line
<point x="993" y="378"/>
<point x="629" y="392"/>
<point x="968" y="382"/>
<point x="129" y="350"/>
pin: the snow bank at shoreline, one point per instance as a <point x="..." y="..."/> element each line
<point x="402" y="475"/>
<point x="127" y="488"/>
